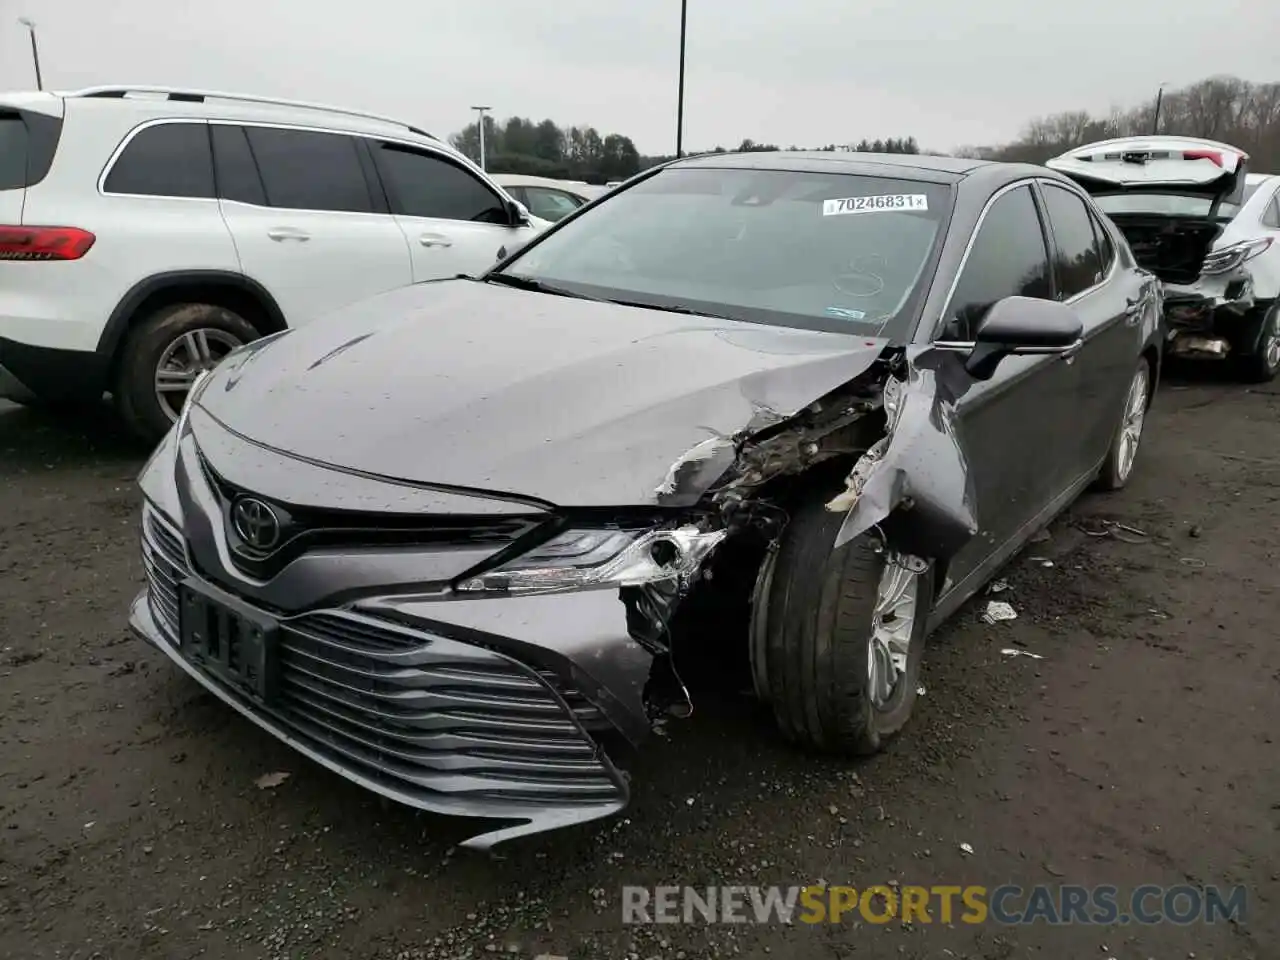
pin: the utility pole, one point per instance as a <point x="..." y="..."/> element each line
<point x="480" y="112"/>
<point x="1155" y="123"/>
<point x="684" y="15"/>
<point x="35" y="50"/>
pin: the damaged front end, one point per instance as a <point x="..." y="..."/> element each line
<point x="469" y="654"/>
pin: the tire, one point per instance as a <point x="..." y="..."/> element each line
<point x="1263" y="364"/>
<point x="1117" y="468"/>
<point x="169" y="338"/>
<point x="811" y="637"/>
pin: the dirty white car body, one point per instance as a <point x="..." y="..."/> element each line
<point x="1186" y="208"/>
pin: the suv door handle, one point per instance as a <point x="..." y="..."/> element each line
<point x="435" y="240"/>
<point x="288" y="233"/>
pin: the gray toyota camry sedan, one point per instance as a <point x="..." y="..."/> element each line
<point x="457" y="542"/>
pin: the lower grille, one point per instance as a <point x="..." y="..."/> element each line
<point x="419" y="713"/>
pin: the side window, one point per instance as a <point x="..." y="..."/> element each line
<point x="233" y="160"/>
<point x="307" y="170"/>
<point x="550" y="204"/>
<point x="1106" y="248"/>
<point x="421" y="185"/>
<point x="1077" y="264"/>
<point x="165" y="160"/>
<point x="1008" y="258"/>
<point x="1271" y="218"/>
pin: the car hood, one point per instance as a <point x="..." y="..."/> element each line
<point x="567" y="401"/>
<point x="1180" y="165"/>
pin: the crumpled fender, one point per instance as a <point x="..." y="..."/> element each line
<point x="914" y="485"/>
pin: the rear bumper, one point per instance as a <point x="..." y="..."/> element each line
<point x="423" y="719"/>
<point x="44" y="373"/>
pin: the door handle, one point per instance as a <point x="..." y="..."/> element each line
<point x="434" y="240"/>
<point x="280" y="234"/>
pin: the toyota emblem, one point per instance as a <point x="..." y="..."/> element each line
<point x="255" y="523"/>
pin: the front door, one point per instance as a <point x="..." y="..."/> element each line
<point x="1017" y="429"/>
<point x="453" y="222"/>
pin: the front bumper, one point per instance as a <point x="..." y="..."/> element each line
<point x="427" y="720"/>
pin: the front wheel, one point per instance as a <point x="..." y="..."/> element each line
<point x="837" y="637"/>
<point x="1263" y="364"/>
<point x="164" y="354"/>
<point x="1123" y="453"/>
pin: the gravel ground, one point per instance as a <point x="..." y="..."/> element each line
<point x="1139" y="750"/>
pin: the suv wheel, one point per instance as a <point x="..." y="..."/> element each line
<point x="837" y="637"/>
<point x="163" y="355"/>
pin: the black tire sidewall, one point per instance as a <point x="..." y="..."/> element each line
<point x="809" y="651"/>
<point x="1259" y="370"/>
<point x="146" y="343"/>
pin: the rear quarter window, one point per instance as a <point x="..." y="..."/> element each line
<point x="28" y="142"/>
<point x="165" y="160"/>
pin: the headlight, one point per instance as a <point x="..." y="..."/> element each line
<point x="578" y="559"/>
<point x="1228" y="258"/>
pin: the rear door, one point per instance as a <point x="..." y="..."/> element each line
<point x="306" y="219"/>
<point x="1111" y="300"/>
<point x="1018" y="429"/>
<point x="453" y="221"/>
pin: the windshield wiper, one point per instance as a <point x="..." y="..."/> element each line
<point x="537" y="286"/>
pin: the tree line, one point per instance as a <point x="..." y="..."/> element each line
<point x="1222" y="108"/>
<point x="545" y="149"/>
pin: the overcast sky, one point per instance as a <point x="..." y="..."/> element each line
<point x="788" y="71"/>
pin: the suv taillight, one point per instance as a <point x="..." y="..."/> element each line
<point x="44" y="243"/>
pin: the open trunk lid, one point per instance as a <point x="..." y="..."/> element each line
<point x="30" y="124"/>
<point x="1170" y="196"/>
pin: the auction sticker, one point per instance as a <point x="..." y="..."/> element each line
<point x="878" y="204"/>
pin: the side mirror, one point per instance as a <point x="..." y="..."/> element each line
<point x="519" y="214"/>
<point x="1021" y="325"/>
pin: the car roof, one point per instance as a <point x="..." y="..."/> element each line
<point x="153" y="103"/>
<point x="916" y="166"/>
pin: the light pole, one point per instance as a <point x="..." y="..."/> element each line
<point x="480" y="112"/>
<point x="35" y="50"/>
<point x="1155" y="123"/>
<point x="684" y="14"/>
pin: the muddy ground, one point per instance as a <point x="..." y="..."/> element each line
<point x="1141" y="749"/>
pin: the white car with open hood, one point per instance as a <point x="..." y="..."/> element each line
<point x="1197" y="220"/>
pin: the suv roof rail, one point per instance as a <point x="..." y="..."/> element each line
<point x="200" y="96"/>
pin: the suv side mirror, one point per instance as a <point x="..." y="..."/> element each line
<point x="1021" y="325"/>
<point x="519" y="214"/>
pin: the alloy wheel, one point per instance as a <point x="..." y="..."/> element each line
<point x="892" y="628"/>
<point x="1135" y="415"/>
<point x="190" y="355"/>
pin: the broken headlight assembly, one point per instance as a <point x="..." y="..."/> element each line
<point x="580" y="559"/>
<point x="1229" y="258"/>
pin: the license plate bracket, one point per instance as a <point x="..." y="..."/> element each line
<point x="229" y="639"/>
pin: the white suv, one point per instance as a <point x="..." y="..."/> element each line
<point x="145" y="232"/>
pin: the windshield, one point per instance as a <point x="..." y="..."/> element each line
<point x="820" y="251"/>
<point x="1165" y="205"/>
